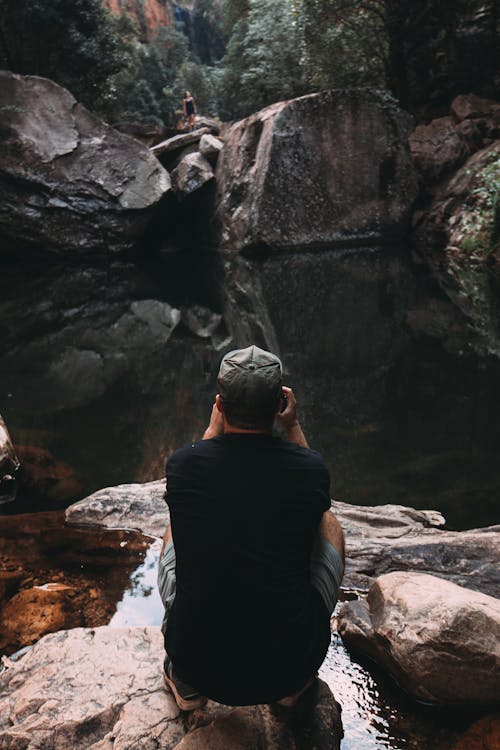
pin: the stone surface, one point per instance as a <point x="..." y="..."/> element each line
<point x="440" y="641"/>
<point x="379" y="539"/>
<point x="311" y="173"/>
<point x="128" y="506"/>
<point x="9" y="465"/>
<point x="70" y="183"/>
<point x="45" y="701"/>
<point x="34" y="612"/>
<point x="467" y="106"/>
<point x="191" y="174"/>
<point x="484" y="734"/>
<point x="178" y="142"/>
<point x="210" y="147"/>
<point x="149" y="15"/>
<point x="44" y="480"/>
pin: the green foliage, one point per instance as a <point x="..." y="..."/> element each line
<point x="262" y="63"/>
<point x="75" y="43"/>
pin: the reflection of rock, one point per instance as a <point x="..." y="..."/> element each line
<point x="46" y="695"/>
<point x="70" y="183"/>
<point x="44" y="479"/>
<point x="9" y="465"/>
<point x="379" y="539"/>
<point x="191" y="174"/>
<point x="128" y="506"/>
<point x="324" y="170"/>
<point x="201" y="321"/>
<point x="35" y="612"/>
<point x="439" y="640"/>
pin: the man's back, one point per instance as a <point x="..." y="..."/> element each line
<point x="246" y="625"/>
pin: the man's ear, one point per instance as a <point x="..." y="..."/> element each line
<point x="218" y="403"/>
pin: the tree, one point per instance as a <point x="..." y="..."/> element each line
<point x="262" y="63"/>
<point x="74" y="44"/>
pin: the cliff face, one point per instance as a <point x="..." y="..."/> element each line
<point x="149" y="14"/>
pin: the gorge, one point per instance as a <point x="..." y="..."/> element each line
<point x="311" y="239"/>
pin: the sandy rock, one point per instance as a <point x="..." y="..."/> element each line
<point x="438" y="147"/>
<point x="210" y="147"/>
<point x="192" y="173"/>
<point x="34" y="612"/>
<point x="139" y="507"/>
<point x="9" y="465"/>
<point x="70" y="183"/>
<point x="102" y="689"/>
<point x="326" y="169"/>
<point x="440" y="641"/>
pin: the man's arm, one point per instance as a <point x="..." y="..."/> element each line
<point x="289" y="421"/>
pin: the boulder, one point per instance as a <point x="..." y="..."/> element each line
<point x="70" y="184"/>
<point x="438" y="147"/>
<point x="468" y="106"/>
<point x="191" y="174"/>
<point x="316" y="172"/>
<point x="379" y="539"/>
<point x="9" y="465"/>
<point x="210" y="147"/>
<point x="44" y="480"/>
<point x="140" y="507"/>
<point x="34" y="612"/>
<point x="178" y="142"/>
<point x="440" y="641"/>
<point x="453" y="237"/>
<point x="103" y="688"/>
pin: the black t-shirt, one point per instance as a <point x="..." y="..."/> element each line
<point x="246" y="625"/>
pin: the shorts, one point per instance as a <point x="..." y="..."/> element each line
<point x="326" y="574"/>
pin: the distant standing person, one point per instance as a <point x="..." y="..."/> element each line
<point x="189" y="108"/>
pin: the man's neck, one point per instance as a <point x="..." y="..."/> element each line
<point x="230" y="429"/>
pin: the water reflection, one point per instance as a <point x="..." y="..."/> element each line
<point x="141" y="603"/>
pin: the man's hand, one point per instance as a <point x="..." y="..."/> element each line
<point x="289" y="421"/>
<point x="216" y="424"/>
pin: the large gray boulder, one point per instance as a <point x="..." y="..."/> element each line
<point x="379" y="539"/>
<point x="8" y="465"/>
<point x="103" y="688"/>
<point x="326" y="169"/>
<point x="440" y="641"/>
<point x="191" y="174"/>
<point x="70" y="184"/>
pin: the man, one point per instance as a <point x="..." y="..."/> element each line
<point x="259" y="556"/>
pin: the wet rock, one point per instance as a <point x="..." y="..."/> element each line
<point x="129" y="506"/>
<point x="34" y="612"/>
<point x="311" y="173"/>
<point x="379" y="539"/>
<point x="9" y="464"/>
<point x="210" y="147"/>
<point x="103" y="688"/>
<point x="70" y="183"/>
<point x="201" y="320"/>
<point x="191" y="174"/>
<point x="439" y="640"/>
<point x="482" y="735"/>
